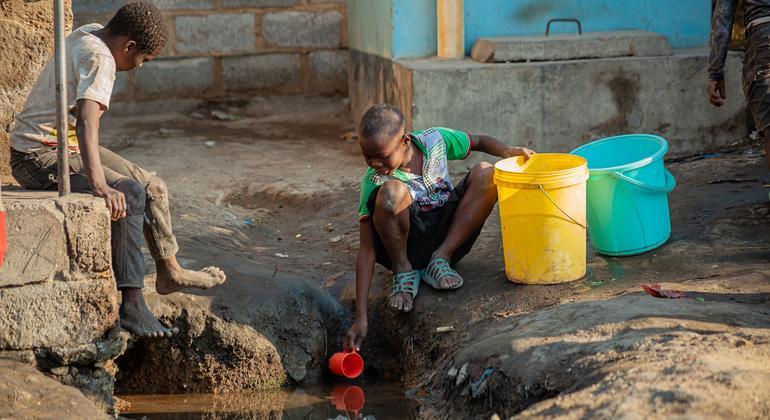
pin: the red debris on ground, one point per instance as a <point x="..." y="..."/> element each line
<point x="658" y="291"/>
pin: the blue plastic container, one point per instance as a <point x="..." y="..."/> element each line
<point x="627" y="193"/>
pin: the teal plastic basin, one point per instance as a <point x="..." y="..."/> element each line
<point x="627" y="193"/>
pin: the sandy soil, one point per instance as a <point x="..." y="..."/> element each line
<point x="277" y="189"/>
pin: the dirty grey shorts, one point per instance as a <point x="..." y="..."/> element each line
<point x="756" y="74"/>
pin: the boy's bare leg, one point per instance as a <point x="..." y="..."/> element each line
<point x="474" y="208"/>
<point x="391" y="219"/>
<point x="172" y="277"/>
<point x="137" y="318"/>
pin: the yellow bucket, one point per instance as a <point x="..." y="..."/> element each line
<point x="543" y="217"/>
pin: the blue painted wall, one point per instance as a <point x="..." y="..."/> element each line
<point x="414" y="28"/>
<point x="684" y="22"/>
<point x="407" y="28"/>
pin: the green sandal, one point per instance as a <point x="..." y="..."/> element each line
<point x="437" y="269"/>
<point x="400" y="283"/>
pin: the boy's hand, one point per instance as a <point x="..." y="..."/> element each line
<point x="115" y="200"/>
<point x="355" y="335"/>
<point x="716" y="92"/>
<point x="518" y="151"/>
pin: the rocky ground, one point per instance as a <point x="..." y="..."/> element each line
<point x="267" y="189"/>
<point x="25" y="393"/>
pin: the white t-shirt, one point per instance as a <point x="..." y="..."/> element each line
<point x="90" y="75"/>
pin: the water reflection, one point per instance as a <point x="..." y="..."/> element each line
<point x="341" y="401"/>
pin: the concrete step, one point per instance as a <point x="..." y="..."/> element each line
<point x="570" y="47"/>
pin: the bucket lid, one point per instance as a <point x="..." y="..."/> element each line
<point x="546" y="169"/>
<point x="613" y="148"/>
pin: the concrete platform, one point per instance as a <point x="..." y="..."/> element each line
<point x="58" y="300"/>
<point x="570" y="47"/>
<point x="555" y="106"/>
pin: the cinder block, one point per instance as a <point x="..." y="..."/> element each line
<point x="260" y="71"/>
<point x="232" y="32"/>
<point x="112" y="6"/>
<point x="183" y="76"/>
<point x="302" y="29"/>
<point x="259" y="3"/>
<point x="330" y="66"/>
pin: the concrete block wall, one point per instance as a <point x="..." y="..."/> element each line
<point x="223" y="47"/>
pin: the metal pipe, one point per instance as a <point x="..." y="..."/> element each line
<point x="62" y="123"/>
<point x="450" y="24"/>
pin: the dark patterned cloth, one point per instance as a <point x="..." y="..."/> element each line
<point x="722" y="26"/>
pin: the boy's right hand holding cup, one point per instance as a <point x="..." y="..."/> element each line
<point x="355" y="335"/>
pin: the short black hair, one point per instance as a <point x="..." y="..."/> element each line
<point x="142" y="23"/>
<point x="381" y="120"/>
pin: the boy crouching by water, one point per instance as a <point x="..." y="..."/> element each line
<point x="413" y="221"/>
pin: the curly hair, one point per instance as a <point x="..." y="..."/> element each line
<point x="381" y="120"/>
<point x="142" y="23"/>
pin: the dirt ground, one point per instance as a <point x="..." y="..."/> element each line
<point x="271" y="184"/>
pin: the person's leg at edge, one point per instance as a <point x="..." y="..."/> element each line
<point x="160" y="238"/>
<point x="766" y="137"/>
<point x="161" y="241"/>
<point x="128" y="265"/>
<point x="473" y="210"/>
<point x="391" y="220"/>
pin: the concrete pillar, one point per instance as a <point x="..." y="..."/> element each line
<point x="451" y="28"/>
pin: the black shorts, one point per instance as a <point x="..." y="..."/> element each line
<point x="427" y="231"/>
<point x="756" y="74"/>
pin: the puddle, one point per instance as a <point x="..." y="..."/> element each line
<point x="348" y="400"/>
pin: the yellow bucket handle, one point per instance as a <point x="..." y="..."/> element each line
<point x="561" y="209"/>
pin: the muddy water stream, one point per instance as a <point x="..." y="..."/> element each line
<point x="349" y="400"/>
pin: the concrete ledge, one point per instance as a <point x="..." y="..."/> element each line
<point x="570" y="47"/>
<point x="556" y="106"/>
<point x="56" y="286"/>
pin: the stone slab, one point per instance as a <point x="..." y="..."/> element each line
<point x="59" y="313"/>
<point x="37" y="243"/>
<point x="570" y="47"/>
<point x="42" y="229"/>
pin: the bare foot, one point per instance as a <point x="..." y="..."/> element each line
<point x="172" y="277"/>
<point x="136" y="318"/>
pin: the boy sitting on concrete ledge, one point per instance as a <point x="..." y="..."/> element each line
<point x="412" y="219"/>
<point x="136" y="199"/>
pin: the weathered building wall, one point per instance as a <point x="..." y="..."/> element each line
<point x="221" y="47"/>
<point x="26" y="34"/>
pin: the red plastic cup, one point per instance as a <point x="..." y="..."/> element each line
<point x="347" y="364"/>
<point x="348" y="398"/>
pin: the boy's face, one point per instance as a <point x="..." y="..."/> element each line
<point x="385" y="154"/>
<point x="130" y="57"/>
